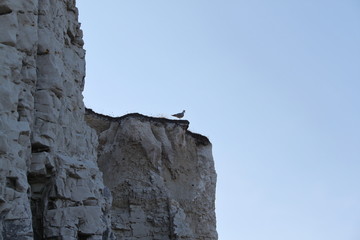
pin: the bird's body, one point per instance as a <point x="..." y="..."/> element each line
<point x="179" y="115"/>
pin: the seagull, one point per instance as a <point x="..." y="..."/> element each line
<point x="179" y="115"/>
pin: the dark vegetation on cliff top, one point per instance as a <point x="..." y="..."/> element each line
<point x="200" y="139"/>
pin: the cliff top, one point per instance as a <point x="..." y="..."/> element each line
<point x="200" y="139"/>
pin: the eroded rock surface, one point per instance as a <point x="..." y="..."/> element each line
<point x="161" y="176"/>
<point x="50" y="184"/>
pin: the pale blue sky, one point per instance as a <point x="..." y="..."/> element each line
<point x="273" y="84"/>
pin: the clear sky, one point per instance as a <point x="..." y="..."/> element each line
<point x="275" y="85"/>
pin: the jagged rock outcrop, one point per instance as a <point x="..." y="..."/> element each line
<point x="50" y="184"/>
<point x="161" y="176"/>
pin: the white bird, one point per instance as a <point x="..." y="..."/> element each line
<point x="179" y="115"/>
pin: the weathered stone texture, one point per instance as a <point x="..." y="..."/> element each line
<point x="161" y="176"/>
<point x="50" y="185"/>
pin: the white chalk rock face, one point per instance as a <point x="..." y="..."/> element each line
<point x="161" y="176"/>
<point x="50" y="184"/>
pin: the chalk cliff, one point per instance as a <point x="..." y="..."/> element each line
<point x="161" y="175"/>
<point x="50" y="184"/>
<point x="133" y="177"/>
